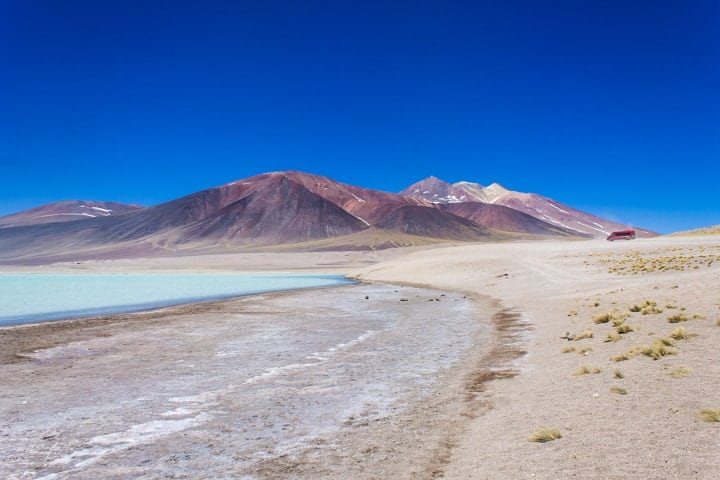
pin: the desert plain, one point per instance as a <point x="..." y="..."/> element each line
<point x="443" y="362"/>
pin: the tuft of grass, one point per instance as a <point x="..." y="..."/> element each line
<point x="616" y="322"/>
<point x="568" y="349"/>
<point x="670" y="306"/>
<point x="623" y="329"/>
<point x="679" y="334"/>
<point x="710" y="415"/>
<point x="630" y="353"/>
<point x="657" y="350"/>
<point x="619" y="374"/>
<point x="613" y="337"/>
<point x="650" y="310"/>
<point x="585" y="370"/>
<point x="604" y="317"/>
<point x="584" y="335"/>
<point x="618" y="390"/>
<point x="545" y="434"/>
<point x="678" y="317"/>
<point x="680" y="372"/>
<point x="697" y="316"/>
<point x="585" y="350"/>
<point x="648" y="307"/>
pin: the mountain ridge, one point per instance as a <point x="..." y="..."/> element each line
<point x="297" y="208"/>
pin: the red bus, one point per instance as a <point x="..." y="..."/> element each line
<point x="622" y="235"/>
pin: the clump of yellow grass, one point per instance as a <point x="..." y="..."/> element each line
<point x="658" y="349"/>
<point x="678" y="317"/>
<point x="679" y="334"/>
<point x="680" y="372"/>
<point x="545" y="434"/>
<point x="613" y="337"/>
<point x="623" y="329"/>
<point x="585" y="370"/>
<point x="710" y="415"/>
<point x="583" y="335"/>
<point x="648" y="307"/>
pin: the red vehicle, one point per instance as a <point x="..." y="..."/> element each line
<point x="622" y="235"/>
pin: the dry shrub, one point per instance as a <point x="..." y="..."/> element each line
<point x="650" y="310"/>
<point x="584" y="335"/>
<point x="585" y="370"/>
<point x="630" y="353"/>
<point x="618" y="390"/>
<point x="623" y="329"/>
<point x="568" y="349"/>
<point x="619" y="374"/>
<point x="604" y="317"/>
<point x="585" y="351"/>
<point x="648" y="307"/>
<point x="616" y="322"/>
<point x="657" y="350"/>
<point x="613" y="337"/>
<point x="697" y="316"/>
<point x="545" y="434"/>
<point x="678" y="317"/>
<point x="679" y="334"/>
<point x="680" y="372"/>
<point x="710" y="415"/>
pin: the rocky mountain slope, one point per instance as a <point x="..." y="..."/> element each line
<point x="547" y="210"/>
<point x="290" y="208"/>
<point x="66" y="211"/>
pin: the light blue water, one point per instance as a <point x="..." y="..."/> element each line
<point x="37" y="298"/>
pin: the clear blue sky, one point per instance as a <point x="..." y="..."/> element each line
<point x="609" y="106"/>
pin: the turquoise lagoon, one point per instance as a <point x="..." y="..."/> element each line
<point x="30" y="298"/>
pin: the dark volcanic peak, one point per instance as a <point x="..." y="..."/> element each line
<point x="280" y="210"/>
<point x="66" y="211"/>
<point x="368" y="205"/>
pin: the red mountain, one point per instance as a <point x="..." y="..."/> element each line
<point x="289" y="207"/>
<point x="547" y="210"/>
<point x="500" y="217"/>
<point x="66" y="211"/>
<point x="434" y="223"/>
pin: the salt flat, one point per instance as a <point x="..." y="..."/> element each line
<point x="313" y="383"/>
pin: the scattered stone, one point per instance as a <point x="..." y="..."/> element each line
<point x="568" y="336"/>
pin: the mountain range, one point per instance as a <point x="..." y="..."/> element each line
<point x="291" y="210"/>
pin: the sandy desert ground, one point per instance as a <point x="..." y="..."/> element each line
<point x="637" y="417"/>
<point x="621" y="413"/>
